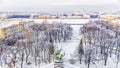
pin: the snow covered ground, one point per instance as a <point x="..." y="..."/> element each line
<point x="66" y="65"/>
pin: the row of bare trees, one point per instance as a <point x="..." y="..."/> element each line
<point x="34" y="44"/>
<point x="100" y="40"/>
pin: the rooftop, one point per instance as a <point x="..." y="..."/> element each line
<point x="8" y="23"/>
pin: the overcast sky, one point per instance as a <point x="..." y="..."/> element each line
<point x="10" y="5"/>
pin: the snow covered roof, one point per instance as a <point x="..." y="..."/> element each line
<point x="6" y="24"/>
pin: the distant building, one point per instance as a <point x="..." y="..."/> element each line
<point x="19" y="16"/>
<point x="65" y="15"/>
<point x="94" y="16"/>
<point x="86" y="16"/>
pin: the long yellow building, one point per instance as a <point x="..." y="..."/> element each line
<point x="11" y="27"/>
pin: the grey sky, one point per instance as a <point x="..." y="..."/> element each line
<point x="26" y="4"/>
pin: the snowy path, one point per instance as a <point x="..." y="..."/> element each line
<point x="70" y="46"/>
<point x="51" y="65"/>
<point x="66" y="65"/>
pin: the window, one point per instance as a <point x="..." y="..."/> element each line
<point x="13" y="29"/>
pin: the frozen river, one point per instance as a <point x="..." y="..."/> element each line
<point x="68" y="21"/>
<point x="38" y="21"/>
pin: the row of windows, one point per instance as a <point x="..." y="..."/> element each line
<point x="11" y="30"/>
<point x="15" y="28"/>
